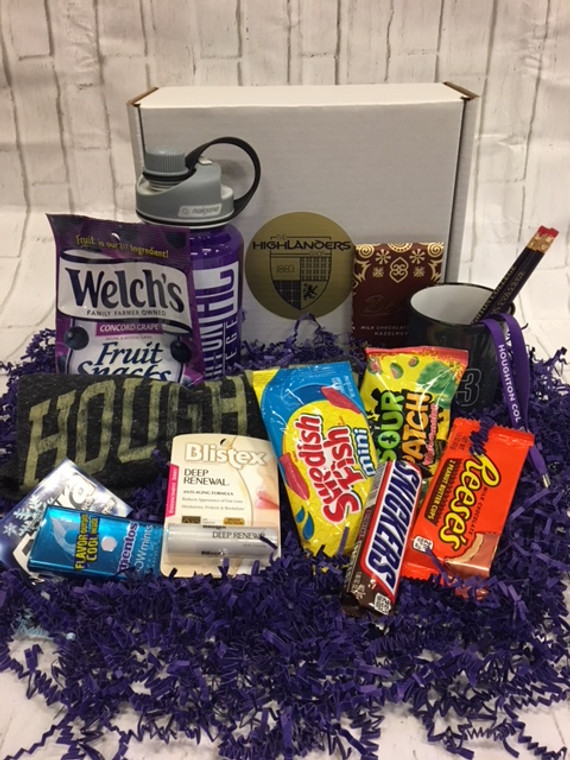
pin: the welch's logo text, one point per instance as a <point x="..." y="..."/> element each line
<point x="122" y="290"/>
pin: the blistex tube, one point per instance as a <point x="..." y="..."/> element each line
<point x="220" y="540"/>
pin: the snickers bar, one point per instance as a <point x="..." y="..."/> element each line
<point x="373" y="573"/>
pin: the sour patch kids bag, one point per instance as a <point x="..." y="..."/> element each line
<point x="125" y="300"/>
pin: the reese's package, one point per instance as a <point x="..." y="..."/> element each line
<point x="461" y="519"/>
<point x="321" y="438"/>
<point x="125" y="302"/>
<point x="407" y="394"/>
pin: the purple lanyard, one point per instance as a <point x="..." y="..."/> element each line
<point x="516" y="386"/>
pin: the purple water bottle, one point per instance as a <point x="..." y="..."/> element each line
<point x="187" y="191"/>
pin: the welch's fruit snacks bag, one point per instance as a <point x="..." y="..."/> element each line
<point x="125" y="300"/>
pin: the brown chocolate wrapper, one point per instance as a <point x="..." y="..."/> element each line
<point x="385" y="276"/>
<point x="373" y="574"/>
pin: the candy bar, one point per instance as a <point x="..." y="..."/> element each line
<point x="373" y="574"/>
<point x="462" y="516"/>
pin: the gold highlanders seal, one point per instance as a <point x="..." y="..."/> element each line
<point x="300" y="263"/>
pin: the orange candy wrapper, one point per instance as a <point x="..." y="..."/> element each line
<point x="464" y="511"/>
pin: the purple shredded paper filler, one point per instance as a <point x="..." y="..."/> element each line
<point x="269" y="665"/>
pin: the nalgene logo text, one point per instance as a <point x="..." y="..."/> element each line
<point x="388" y="533"/>
<point x="200" y="212"/>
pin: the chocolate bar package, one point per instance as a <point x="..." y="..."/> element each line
<point x="463" y="514"/>
<point x="385" y="276"/>
<point x="373" y="574"/>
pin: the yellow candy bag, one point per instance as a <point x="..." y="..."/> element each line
<point x="321" y="438"/>
<point x="407" y="394"/>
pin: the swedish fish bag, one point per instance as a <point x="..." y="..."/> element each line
<point x="319" y="431"/>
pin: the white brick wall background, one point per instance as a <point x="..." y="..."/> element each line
<point x="68" y="67"/>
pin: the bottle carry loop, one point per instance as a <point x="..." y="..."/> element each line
<point x="516" y="384"/>
<point x="193" y="157"/>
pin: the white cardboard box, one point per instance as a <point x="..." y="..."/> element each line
<point x="380" y="163"/>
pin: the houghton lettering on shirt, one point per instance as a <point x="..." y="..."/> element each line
<point x="108" y="423"/>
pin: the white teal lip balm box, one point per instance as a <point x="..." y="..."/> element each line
<point x="65" y="486"/>
<point x="70" y="542"/>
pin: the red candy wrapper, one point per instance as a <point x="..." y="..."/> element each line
<point x="373" y="574"/>
<point x="463" y="514"/>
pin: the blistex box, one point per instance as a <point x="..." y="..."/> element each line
<point x="91" y="544"/>
<point x="223" y="493"/>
